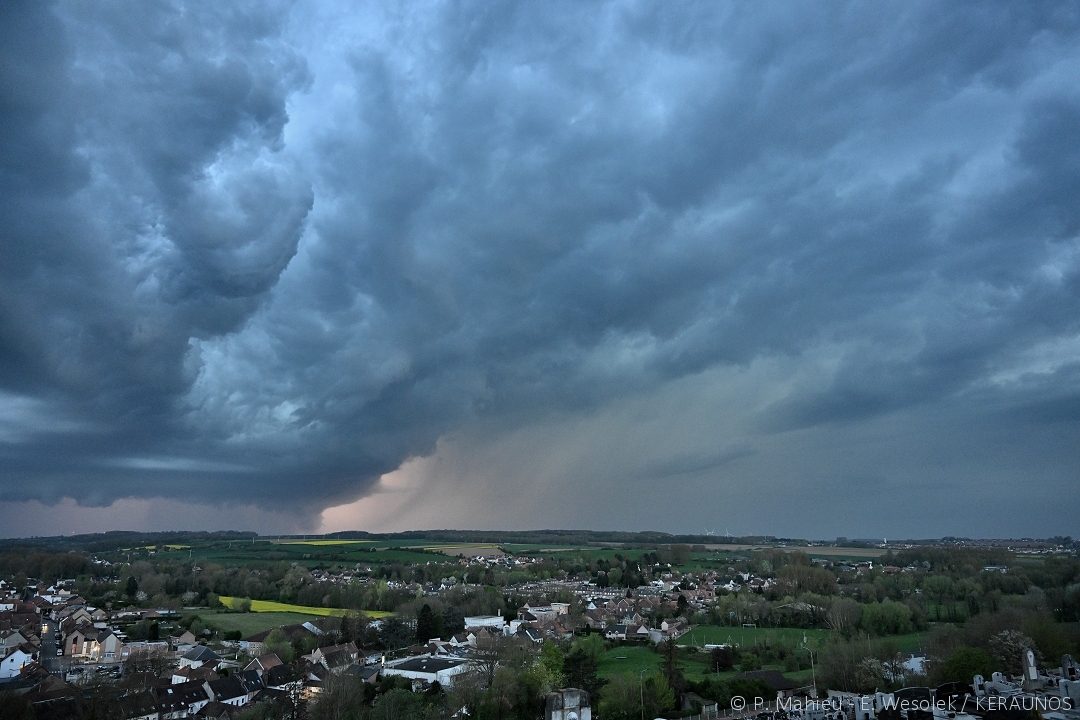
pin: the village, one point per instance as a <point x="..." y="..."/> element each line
<point x="57" y="649"/>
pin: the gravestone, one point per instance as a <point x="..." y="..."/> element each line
<point x="1069" y="669"/>
<point x="1031" y="673"/>
<point x="568" y="704"/>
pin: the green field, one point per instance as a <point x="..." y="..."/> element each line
<point x="251" y="623"/>
<point x="563" y="552"/>
<point x="628" y="659"/>
<point x="702" y="635"/>
<point x="268" y="606"/>
<point x="324" y="543"/>
<point x="633" y="659"/>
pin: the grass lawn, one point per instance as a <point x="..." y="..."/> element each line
<point x="633" y="659"/>
<point x="268" y="606"/>
<point x="628" y="659"/>
<point x="702" y="635"/>
<point x="251" y="623"/>
<point x="911" y="643"/>
<point x="748" y="637"/>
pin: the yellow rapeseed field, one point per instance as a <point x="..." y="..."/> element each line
<point x="270" y="606"/>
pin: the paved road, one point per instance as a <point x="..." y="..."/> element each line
<point x="49" y="658"/>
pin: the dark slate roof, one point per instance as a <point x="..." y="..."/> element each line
<point x="278" y="676"/>
<point x="182" y="695"/>
<point x="201" y="653"/>
<point x="227" y="688"/>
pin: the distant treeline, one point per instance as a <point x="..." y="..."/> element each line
<point x="119" y="539"/>
<point x="49" y="566"/>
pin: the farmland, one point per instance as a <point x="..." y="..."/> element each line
<point x="268" y="606"/>
<point x="251" y="623"/>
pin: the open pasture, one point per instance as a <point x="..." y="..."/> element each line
<point x="251" y="623"/>
<point x="264" y="606"/>
<point x="486" y="551"/>
<point x="701" y="635"/>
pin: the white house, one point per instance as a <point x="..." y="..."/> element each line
<point x="11" y="665"/>
<point x="198" y="656"/>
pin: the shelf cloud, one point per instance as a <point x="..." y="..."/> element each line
<point x="263" y="254"/>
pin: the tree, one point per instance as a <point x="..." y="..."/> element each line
<point x="278" y="643"/>
<point x="345" y="629"/>
<point x="749" y="662"/>
<point x="843" y="615"/>
<point x="1008" y="648"/>
<point x="425" y="624"/>
<point x="967" y="662"/>
<point x="887" y="618"/>
<point x="722" y="658"/>
<point x="669" y="657"/>
<point x="551" y="658"/>
<point x="132" y="586"/>
<point x="628" y="697"/>
<point x="580" y="668"/>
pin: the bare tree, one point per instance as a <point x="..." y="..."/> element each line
<point x="843" y="615"/>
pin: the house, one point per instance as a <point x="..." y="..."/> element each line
<point x="217" y="711"/>
<point x="106" y="647"/>
<point x="184" y="641"/>
<point x="367" y="674"/>
<point x="9" y="640"/>
<point x="693" y="701"/>
<point x="79" y="641"/>
<point x="488" y="621"/>
<point x="430" y="670"/>
<point x="335" y="657"/>
<point x="15" y="661"/>
<point x="672" y="625"/>
<point x="263" y="663"/>
<point x="253" y="645"/>
<point x="180" y="701"/>
<point x="231" y="691"/>
<point x="531" y="634"/>
<point x="615" y="632"/>
<point x="772" y="678"/>
<point x="187" y="674"/>
<point x="138" y="706"/>
<point x="198" y="656"/>
<point x="282" y="677"/>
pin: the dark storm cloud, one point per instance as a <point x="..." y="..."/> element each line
<point x="266" y="253"/>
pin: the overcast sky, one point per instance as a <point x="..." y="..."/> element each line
<point x="806" y="269"/>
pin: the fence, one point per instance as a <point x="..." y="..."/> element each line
<point x="732" y="714"/>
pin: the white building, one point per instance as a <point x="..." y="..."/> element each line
<point x="490" y="621"/>
<point x="11" y="665"/>
<point x="429" y="669"/>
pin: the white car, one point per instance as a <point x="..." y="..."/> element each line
<point x="59" y="651"/>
